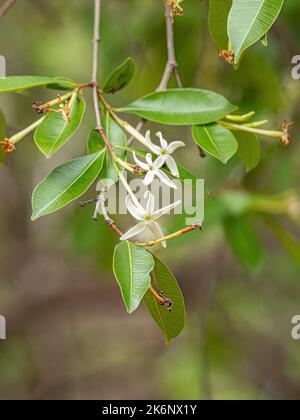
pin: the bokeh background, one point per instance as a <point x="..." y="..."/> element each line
<point x="69" y="336"/>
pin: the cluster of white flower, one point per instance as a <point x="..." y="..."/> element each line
<point x="147" y="217"/>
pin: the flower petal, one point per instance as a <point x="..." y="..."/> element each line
<point x="155" y="149"/>
<point x="149" y="178"/>
<point x="171" y="164"/>
<point x="163" y="142"/>
<point x="140" y="163"/>
<point x="174" y="146"/>
<point x="149" y="159"/>
<point x="157" y="232"/>
<point x="150" y="203"/>
<point x="135" y="212"/>
<point x="158" y="213"/>
<point x="163" y="177"/>
<point x="135" y="230"/>
<point x="160" y="161"/>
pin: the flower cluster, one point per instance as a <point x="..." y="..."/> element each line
<point x="163" y="153"/>
<point x="147" y="217"/>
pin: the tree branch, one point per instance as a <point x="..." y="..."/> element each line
<point x="96" y="41"/>
<point x="94" y="82"/>
<point x="6" y="6"/>
<point x="174" y="235"/>
<point x="101" y="206"/>
<point x="171" y="66"/>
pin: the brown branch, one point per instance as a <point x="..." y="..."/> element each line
<point x="94" y="82"/>
<point x="96" y="41"/>
<point x="174" y="235"/>
<point x="171" y="66"/>
<point x="100" y="205"/>
<point x="6" y="6"/>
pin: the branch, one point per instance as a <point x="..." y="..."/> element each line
<point x="94" y="82"/>
<point x="6" y="6"/>
<point x="171" y="66"/>
<point x="101" y="206"/>
<point x="183" y="231"/>
<point x="100" y="200"/>
<point x="96" y="41"/>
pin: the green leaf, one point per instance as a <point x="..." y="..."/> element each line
<point x="215" y="140"/>
<point x="19" y="83"/>
<point x="66" y="183"/>
<point x="249" y="149"/>
<point x="181" y="107"/>
<point x="3" y="134"/>
<point x="244" y="241"/>
<point x="218" y="16"/>
<point x="132" y="267"/>
<point x="120" y="77"/>
<point x="54" y="131"/>
<point x="170" y="322"/>
<point x="62" y="83"/>
<point x="249" y="21"/>
<point x="95" y="141"/>
<point x="117" y="138"/>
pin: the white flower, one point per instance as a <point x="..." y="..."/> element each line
<point x="147" y="218"/>
<point x="166" y="150"/>
<point x="153" y="169"/>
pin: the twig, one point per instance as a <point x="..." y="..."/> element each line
<point x="100" y="205"/>
<point x="94" y="82"/>
<point x="171" y="66"/>
<point x="96" y="41"/>
<point x="6" y="6"/>
<point x="87" y="202"/>
<point x="187" y="229"/>
<point x="138" y="128"/>
<point x="161" y="299"/>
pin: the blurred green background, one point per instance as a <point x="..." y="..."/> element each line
<point x="68" y="333"/>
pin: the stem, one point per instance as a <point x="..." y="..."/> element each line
<point x="94" y="82"/>
<point x="159" y="298"/>
<point x="172" y="236"/>
<point x="122" y="123"/>
<point x="240" y="118"/>
<point x="19" y="136"/>
<point x="138" y="128"/>
<point x="129" y="190"/>
<point x="96" y="42"/>
<point x="6" y="6"/>
<point x="171" y="66"/>
<point x="134" y="169"/>
<point x="101" y="206"/>
<point x="268" y="133"/>
<point x="159" y="295"/>
<point x="42" y="108"/>
<point x="87" y="202"/>
<point x="131" y="130"/>
<point x="256" y="124"/>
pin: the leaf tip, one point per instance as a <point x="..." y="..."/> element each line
<point x="34" y="217"/>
